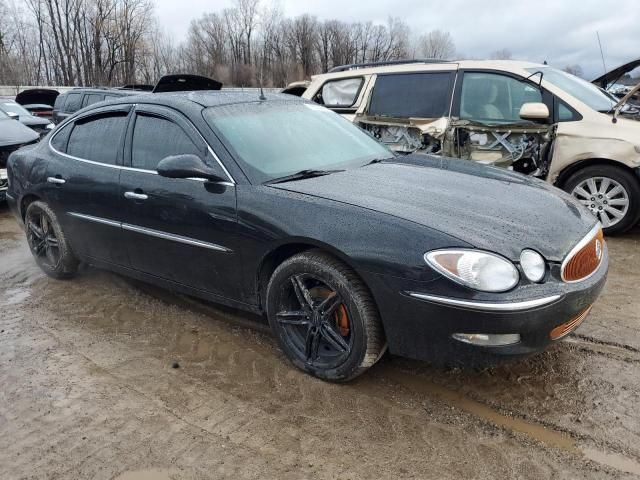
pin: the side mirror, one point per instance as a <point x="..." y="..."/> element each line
<point x="13" y="116"/>
<point x="187" y="166"/>
<point x="534" y="111"/>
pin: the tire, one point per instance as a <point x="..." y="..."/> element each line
<point x="320" y="340"/>
<point x="47" y="242"/>
<point x="599" y="206"/>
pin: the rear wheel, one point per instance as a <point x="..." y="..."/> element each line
<point x="324" y="317"/>
<point x="611" y="193"/>
<point x="47" y="242"/>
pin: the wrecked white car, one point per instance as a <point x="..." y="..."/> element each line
<point x="527" y="117"/>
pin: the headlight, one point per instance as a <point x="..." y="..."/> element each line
<point x="475" y="269"/>
<point x="533" y="265"/>
<point x="50" y="126"/>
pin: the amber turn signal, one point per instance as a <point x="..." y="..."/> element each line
<point x="585" y="258"/>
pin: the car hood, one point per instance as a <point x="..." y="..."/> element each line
<point x="37" y="95"/>
<point x="13" y="132"/>
<point x="182" y="83"/>
<point x="489" y="208"/>
<point x="33" y="121"/>
<point x="614" y="75"/>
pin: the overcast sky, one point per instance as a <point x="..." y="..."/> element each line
<point x="561" y="32"/>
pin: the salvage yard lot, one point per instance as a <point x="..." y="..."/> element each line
<point x="88" y="391"/>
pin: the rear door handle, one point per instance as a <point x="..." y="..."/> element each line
<point x="135" y="196"/>
<point x="56" y="180"/>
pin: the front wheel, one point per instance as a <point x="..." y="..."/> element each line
<point x="611" y="193"/>
<point x="324" y="317"/>
<point x="47" y="242"/>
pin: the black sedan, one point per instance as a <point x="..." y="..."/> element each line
<point x="279" y="206"/>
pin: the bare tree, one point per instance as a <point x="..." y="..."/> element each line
<point x="502" y="54"/>
<point x="437" y="44"/>
<point x="574" y="70"/>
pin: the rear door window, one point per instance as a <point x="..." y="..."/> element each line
<point x="73" y="103"/>
<point x="421" y="95"/>
<point x="98" y="138"/>
<point x="341" y="93"/>
<point x="92" y="98"/>
<point x="155" y="138"/>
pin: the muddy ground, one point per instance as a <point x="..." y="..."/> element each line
<point x="87" y="390"/>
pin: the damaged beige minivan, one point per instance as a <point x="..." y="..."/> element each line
<point x="527" y="117"/>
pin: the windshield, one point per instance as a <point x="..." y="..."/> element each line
<point x="275" y="139"/>
<point x="582" y="90"/>
<point x="13" y="107"/>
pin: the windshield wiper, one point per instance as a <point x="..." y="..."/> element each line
<point x="379" y="160"/>
<point x="302" y="174"/>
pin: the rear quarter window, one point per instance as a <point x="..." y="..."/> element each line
<point x="421" y="95"/>
<point x="59" y="140"/>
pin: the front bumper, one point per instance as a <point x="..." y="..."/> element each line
<point x="419" y="323"/>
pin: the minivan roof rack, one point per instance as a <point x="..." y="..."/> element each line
<point x="354" y="66"/>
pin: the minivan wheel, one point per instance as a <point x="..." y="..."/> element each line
<point x="47" y="242"/>
<point x="611" y="193"/>
<point x="324" y="317"/>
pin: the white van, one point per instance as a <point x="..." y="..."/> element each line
<point x="527" y="117"/>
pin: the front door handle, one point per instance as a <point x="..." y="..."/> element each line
<point x="135" y="196"/>
<point x="57" y="180"/>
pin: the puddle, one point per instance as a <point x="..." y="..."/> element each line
<point x="612" y="460"/>
<point x="15" y="295"/>
<point x="145" y="475"/>
<point x="536" y="431"/>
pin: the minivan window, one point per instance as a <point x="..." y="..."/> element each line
<point x="492" y="97"/>
<point x="341" y="93"/>
<point x="98" y="138"/>
<point x="422" y="95"/>
<point x="580" y="89"/>
<point x="73" y="103"/>
<point x="155" y="138"/>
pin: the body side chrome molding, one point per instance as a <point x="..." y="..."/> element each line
<point x="175" y="238"/>
<point x="151" y="232"/>
<point x="91" y="218"/>
<point x="486" y="306"/>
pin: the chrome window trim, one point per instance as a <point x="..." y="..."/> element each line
<point x="152" y="233"/>
<point x="579" y="246"/>
<point x="487" y="306"/>
<point x="231" y="181"/>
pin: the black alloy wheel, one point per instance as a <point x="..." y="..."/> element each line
<point x="315" y="321"/>
<point x="324" y="317"/>
<point x="47" y="242"/>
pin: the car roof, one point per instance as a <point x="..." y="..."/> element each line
<point x="501" y="65"/>
<point x="203" y="98"/>
<point x="109" y="91"/>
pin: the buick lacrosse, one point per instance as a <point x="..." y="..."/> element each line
<point x="279" y="206"/>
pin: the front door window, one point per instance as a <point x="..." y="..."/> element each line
<point x="495" y="98"/>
